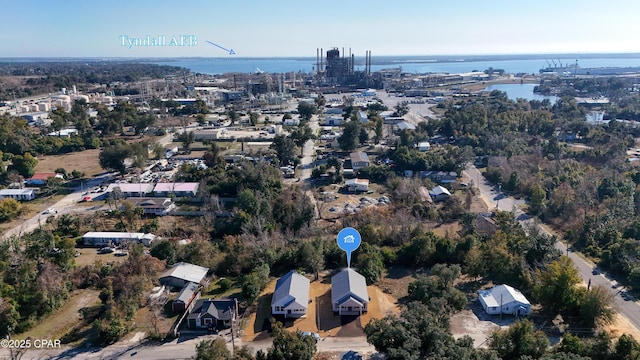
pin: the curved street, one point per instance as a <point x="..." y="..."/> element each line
<point x="494" y="198"/>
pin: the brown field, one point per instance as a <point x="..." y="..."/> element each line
<point x="84" y="161"/>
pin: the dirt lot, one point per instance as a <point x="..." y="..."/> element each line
<point x="623" y="326"/>
<point x="329" y="324"/>
<point x="84" y="161"/>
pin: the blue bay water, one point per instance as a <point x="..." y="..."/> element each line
<point x="522" y="91"/>
<point x="410" y="65"/>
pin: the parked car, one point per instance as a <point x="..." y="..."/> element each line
<point x="50" y="211"/>
<point x="316" y="336"/>
<point x="106" y="250"/>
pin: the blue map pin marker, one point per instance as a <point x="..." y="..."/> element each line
<point x="349" y="240"/>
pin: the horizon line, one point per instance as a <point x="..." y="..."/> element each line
<point x="314" y="57"/>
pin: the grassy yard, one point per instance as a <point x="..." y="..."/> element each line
<point x="215" y="291"/>
<point x="63" y="321"/>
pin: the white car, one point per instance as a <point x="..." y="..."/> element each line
<point x="50" y="211"/>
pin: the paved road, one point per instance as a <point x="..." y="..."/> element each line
<point x="494" y="198"/>
<point x="183" y="348"/>
<point x="63" y="206"/>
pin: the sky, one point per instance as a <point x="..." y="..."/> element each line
<point x="281" y="28"/>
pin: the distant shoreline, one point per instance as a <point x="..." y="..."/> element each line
<point x="376" y="59"/>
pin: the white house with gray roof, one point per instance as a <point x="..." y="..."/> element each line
<point x="503" y="299"/>
<point x="349" y="295"/>
<point x="291" y="296"/>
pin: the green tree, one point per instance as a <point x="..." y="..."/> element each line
<point x="113" y="157"/>
<point x="306" y="110"/>
<point x="595" y="307"/>
<point x="215" y="349"/>
<point x="402" y="108"/>
<point x="626" y="348"/>
<point x="419" y="333"/>
<point x="233" y="114"/>
<point x="379" y="126"/>
<point x="349" y="139"/>
<point x="301" y="134"/>
<point x="285" y="149"/>
<point x="253" y="118"/>
<point x="368" y="261"/>
<point x="254" y="283"/>
<point x="187" y="138"/>
<point x="141" y="122"/>
<point x="289" y="345"/>
<point x="164" y="250"/>
<point x="556" y="288"/>
<point x="24" y="164"/>
<point x="9" y="208"/>
<point x="521" y="339"/>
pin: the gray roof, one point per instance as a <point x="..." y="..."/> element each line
<point x="348" y="283"/>
<point x="359" y="156"/>
<point x="187" y="292"/>
<point x="187" y="272"/>
<point x="502" y="294"/>
<point x="289" y="288"/>
<point x="223" y="309"/>
<point x="150" y="202"/>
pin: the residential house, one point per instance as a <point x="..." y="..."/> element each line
<point x="440" y="177"/>
<point x="131" y="189"/>
<point x="183" y="273"/>
<point x="108" y="238"/>
<point x="484" y="224"/>
<point x="189" y="189"/>
<point x="503" y="299"/>
<point x="291" y="296"/>
<point x="439" y="193"/>
<point x="291" y="122"/>
<point x="424" y="146"/>
<point x="362" y="116"/>
<point x="187" y="295"/>
<point x="349" y="295"/>
<point x="404" y="125"/>
<point x="66" y="133"/>
<point x="333" y="120"/>
<point x="359" y="160"/>
<point x="18" y="194"/>
<point x="357" y="185"/>
<point x="386" y="114"/>
<point x="213" y="314"/>
<point x="154" y="205"/>
<point x="41" y="178"/>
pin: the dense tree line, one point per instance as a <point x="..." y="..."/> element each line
<point x="50" y="77"/>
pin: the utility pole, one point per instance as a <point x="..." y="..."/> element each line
<point x="233" y="338"/>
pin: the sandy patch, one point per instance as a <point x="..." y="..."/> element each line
<point x="622" y="326"/>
